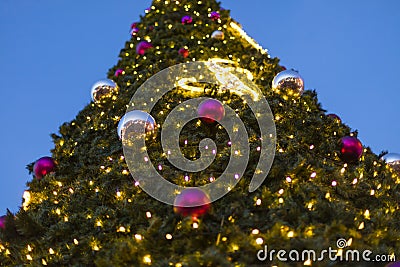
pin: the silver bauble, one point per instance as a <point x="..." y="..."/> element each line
<point x="393" y="160"/>
<point x="288" y="81"/>
<point x="135" y="124"/>
<point x="218" y="35"/>
<point x="103" y="89"/>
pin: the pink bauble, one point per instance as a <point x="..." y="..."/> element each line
<point x="214" y="15"/>
<point x="142" y="47"/>
<point x="184" y="52"/>
<point x="192" y="202"/>
<point x="211" y="110"/>
<point x="187" y="20"/>
<point x="43" y="166"/>
<point x="118" y="72"/>
<point x="351" y="149"/>
<point x="3" y="222"/>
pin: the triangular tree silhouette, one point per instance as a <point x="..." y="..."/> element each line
<point x="91" y="212"/>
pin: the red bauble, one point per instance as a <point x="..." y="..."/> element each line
<point x="43" y="166"/>
<point x="192" y="202"/>
<point x="184" y="52"/>
<point x="133" y="25"/>
<point x="211" y="110"/>
<point x="187" y="20"/>
<point x="142" y="47"/>
<point x="3" y="222"/>
<point x="351" y="149"/>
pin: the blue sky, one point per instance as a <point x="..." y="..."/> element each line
<point x="53" y="51"/>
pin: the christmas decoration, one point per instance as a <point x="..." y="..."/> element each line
<point x="335" y="117"/>
<point x="92" y="212"/>
<point x="3" y="222"/>
<point x="184" y="52"/>
<point x="351" y="149"/>
<point x="393" y="264"/>
<point x="134" y="124"/>
<point x="134" y="25"/>
<point x="211" y="110"/>
<point x="192" y="202"/>
<point x="214" y="15"/>
<point x="142" y="47"/>
<point x="43" y="166"/>
<point x="103" y="89"/>
<point x="118" y="72"/>
<point x="134" y="31"/>
<point x="218" y="35"/>
<point x="187" y="20"/>
<point x="393" y="160"/>
<point x="289" y="81"/>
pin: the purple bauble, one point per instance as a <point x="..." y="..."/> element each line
<point x="192" y="202"/>
<point x="3" y="222"/>
<point x="118" y="72"/>
<point x="142" y="47"/>
<point x="214" y="15"/>
<point x="351" y="149"/>
<point x="335" y="117"/>
<point x="211" y="110"/>
<point x="43" y="166"/>
<point x="187" y="20"/>
<point x="134" y="31"/>
<point x="394" y="264"/>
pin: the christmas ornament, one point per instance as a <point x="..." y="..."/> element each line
<point x="289" y="80"/>
<point x="3" y="222"/>
<point x="134" y="31"/>
<point x="103" y="89"/>
<point x="218" y="35"/>
<point x="187" y="20"/>
<point x="43" y="166"/>
<point x="133" y="25"/>
<point x="192" y="202"/>
<point x="393" y="160"/>
<point x="394" y="264"/>
<point x="211" y="110"/>
<point x="118" y="72"/>
<point x="351" y="149"/>
<point x="135" y="124"/>
<point x="335" y="117"/>
<point x="142" y="47"/>
<point x="184" y="52"/>
<point x="214" y="15"/>
<point x="150" y="28"/>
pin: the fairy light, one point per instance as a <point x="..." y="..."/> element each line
<point x="372" y="192"/>
<point x="255" y="231"/>
<point x="334" y="183"/>
<point x="29" y="257"/>
<point x="361" y="226"/>
<point x="168" y="236"/>
<point x="44" y="262"/>
<point x="312" y="147"/>
<point x="187" y="178"/>
<point x="195" y="225"/>
<point x="288" y="179"/>
<point x="280" y="200"/>
<point x="258" y="202"/>
<point x="121" y="229"/>
<point x="138" y="237"/>
<point x="148" y="214"/>
<point x="307" y="263"/>
<point x="27" y="199"/>
<point x="290" y="234"/>
<point x="76" y="242"/>
<point x="248" y="38"/>
<point x="259" y="241"/>
<point x="51" y="251"/>
<point x="147" y="259"/>
<point x="367" y="215"/>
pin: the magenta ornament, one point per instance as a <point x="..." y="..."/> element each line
<point x="118" y="72"/>
<point x="3" y="222"/>
<point x="351" y="149"/>
<point x="211" y="110"/>
<point x="133" y="25"/>
<point x="192" y="202"/>
<point x="214" y="15"/>
<point x="142" y="47"/>
<point x="187" y="20"/>
<point x="43" y="166"/>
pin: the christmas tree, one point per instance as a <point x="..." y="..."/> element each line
<point x="86" y="205"/>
